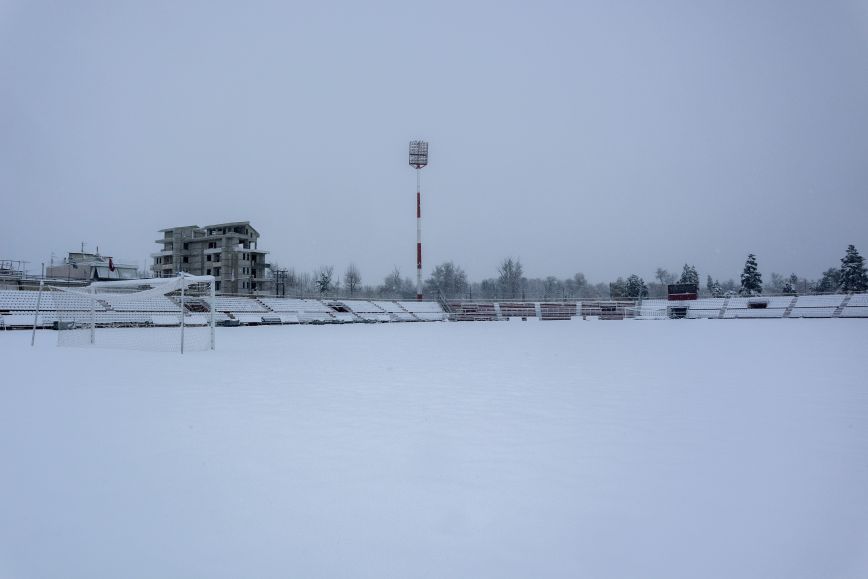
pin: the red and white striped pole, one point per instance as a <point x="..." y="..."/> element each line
<point x="418" y="233"/>
<point x="418" y="159"/>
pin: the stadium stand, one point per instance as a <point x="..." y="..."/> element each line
<point x="517" y="309"/>
<point x="395" y="311"/>
<point x="558" y="310"/>
<point x="654" y="309"/>
<point x="367" y="311"/>
<point x="18" y="307"/>
<point x="698" y="314"/>
<point x="607" y="309"/>
<point x="816" y="306"/>
<point x="293" y="305"/>
<point x="756" y="307"/>
<point x="472" y="312"/>
<point x="858" y="300"/>
<point x="425" y="311"/>
<point x="152" y="304"/>
<point x="854" y="312"/>
<point x="238" y="304"/>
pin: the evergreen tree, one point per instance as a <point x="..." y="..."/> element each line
<point x="854" y="277"/>
<point x="790" y="285"/>
<point x="829" y="283"/>
<point x="751" y="278"/>
<point x="324" y="278"/>
<point x="635" y="287"/>
<point x="618" y="288"/>
<point x="713" y="287"/>
<point x="689" y="275"/>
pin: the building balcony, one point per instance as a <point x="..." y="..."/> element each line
<point x="162" y="253"/>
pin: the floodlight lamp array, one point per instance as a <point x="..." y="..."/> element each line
<point x="418" y="154"/>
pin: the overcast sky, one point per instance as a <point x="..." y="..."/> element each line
<point x="607" y="137"/>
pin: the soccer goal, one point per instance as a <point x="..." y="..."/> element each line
<point x="643" y="312"/>
<point x="161" y="314"/>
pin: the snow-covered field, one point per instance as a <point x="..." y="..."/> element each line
<point x="670" y="449"/>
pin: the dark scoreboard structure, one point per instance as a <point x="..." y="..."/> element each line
<point x="679" y="292"/>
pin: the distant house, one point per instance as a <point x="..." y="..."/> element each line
<point x="91" y="267"/>
<point x="228" y="251"/>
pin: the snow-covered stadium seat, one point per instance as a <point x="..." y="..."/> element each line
<point x="238" y="304"/>
<point x="747" y="313"/>
<point x="706" y="304"/>
<point x="294" y="305"/>
<point x="395" y="311"/>
<point x="702" y="314"/>
<point x="422" y="307"/>
<point x="362" y="306"/>
<point x="858" y="300"/>
<point x="366" y="310"/>
<point x="830" y="301"/>
<point x="854" y="312"/>
<point x="816" y="312"/>
<point x="248" y="318"/>
<point x="151" y="304"/>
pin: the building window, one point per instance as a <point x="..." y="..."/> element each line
<point x="216" y="257"/>
<point x="186" y="246"/>
<point x="207" y="272"/>
<point x="208" y="257"/>
<point x="212" y="244"/>
<point x="216" y="271"/>
<point x="217" y="286"/>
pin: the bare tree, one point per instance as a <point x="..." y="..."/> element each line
<point x="552" y="288"/>
<point x="447" y="280"/>
<point x="352" y="278"/>
<point x="664" y="277"/>
<point x="510" y="276"/>
<point x="305" y="284"/>
<point x="392" y="284"/>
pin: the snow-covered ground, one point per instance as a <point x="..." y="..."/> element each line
<point x="670" y="449"/>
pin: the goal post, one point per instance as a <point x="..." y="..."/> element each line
<point x="158" y="314"/>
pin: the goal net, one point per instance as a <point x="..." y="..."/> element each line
<point x="646" y="312"/>
<point x="161" y="314"/>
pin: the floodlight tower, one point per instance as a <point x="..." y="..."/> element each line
<point x="418" y="159"/>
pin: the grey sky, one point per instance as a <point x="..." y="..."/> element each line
<point x="606" y="137"/>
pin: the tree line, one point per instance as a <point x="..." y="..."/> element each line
<point x="449" y="281"/>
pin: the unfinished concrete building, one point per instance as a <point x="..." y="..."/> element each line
<point x="228" y="251"/>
